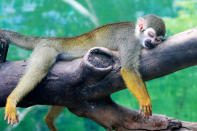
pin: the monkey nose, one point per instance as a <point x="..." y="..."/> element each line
<point x="149" y="44"/>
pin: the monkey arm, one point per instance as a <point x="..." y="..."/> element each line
<point x="129" y="56"/>
<point x="136" y="86"/>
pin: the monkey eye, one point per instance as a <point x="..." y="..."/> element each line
<point x="151" y="34"/>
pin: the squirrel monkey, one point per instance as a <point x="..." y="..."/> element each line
<point x="126" y="37"/>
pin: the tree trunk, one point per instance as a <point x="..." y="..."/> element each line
<point x="84" y="85"/>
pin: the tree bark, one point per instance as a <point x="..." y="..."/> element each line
<point x="84" y="85"/>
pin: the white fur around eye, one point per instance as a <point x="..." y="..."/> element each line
<point x="150" y="30"/>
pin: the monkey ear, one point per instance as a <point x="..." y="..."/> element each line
<point x="141" y="23"/>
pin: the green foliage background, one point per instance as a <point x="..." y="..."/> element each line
<point x="173" y="95"/>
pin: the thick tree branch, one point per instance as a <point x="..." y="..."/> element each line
<point x="84" y="85"/>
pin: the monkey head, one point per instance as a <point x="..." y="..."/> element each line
<point x="150" y="30"/>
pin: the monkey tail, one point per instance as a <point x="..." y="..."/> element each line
<point x="15" y="38"/>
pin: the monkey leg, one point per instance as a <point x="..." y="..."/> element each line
<point x="41" y="59"/>
<point x="52" y="114"/>
<point x="135" y="84"/>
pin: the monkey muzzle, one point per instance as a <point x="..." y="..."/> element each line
<point x="149" y="44"/>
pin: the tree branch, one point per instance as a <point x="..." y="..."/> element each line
<point x="84" y="85"/>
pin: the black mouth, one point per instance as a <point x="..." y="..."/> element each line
<point x="149" y="45"/>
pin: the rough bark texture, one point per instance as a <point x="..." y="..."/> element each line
<point x="84" y="85"/>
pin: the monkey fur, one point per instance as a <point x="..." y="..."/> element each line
<point x="126" y="37"/>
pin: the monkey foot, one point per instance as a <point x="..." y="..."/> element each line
<point x="146" y="107"/>
<point x="11" y="113"/>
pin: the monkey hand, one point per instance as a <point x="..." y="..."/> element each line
<point x="11" y="112"/>
<point x="146" y="107"/>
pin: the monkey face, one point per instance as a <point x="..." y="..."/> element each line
<point x="149" y="39"/>
<point x="150" y="30"/>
